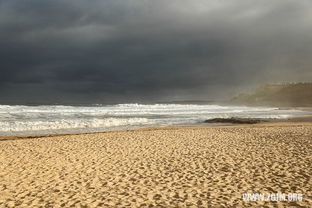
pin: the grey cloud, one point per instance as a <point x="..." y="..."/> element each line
<point x="118" y="50"/>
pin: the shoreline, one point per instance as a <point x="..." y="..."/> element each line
<point x="273" y="122"/>
<point x="81" y="126"/>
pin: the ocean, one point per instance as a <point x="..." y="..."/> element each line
<point x="56" y="119"/>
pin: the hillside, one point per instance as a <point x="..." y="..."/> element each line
<point x="284" y="95"/>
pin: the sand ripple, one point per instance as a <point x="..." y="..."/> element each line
<point x="168" y="167"/>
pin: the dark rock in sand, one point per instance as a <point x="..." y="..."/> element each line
<point x="234" y="120"/>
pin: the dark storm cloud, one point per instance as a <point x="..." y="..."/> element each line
<point x="136" y="50"/>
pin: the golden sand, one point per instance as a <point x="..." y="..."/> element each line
<point x="162" y="167"/>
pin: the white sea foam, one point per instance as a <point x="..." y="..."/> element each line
<point x="33" y="125"/>
<point x="58" y="118"/>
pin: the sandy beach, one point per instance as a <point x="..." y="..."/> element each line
<point x="159" y="167"/>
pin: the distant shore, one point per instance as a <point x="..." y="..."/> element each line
<point x="199" y="166"/>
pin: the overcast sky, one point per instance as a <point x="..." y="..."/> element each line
<point x="79" y="51"/>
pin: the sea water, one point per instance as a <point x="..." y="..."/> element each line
<point x="54" y="119"/>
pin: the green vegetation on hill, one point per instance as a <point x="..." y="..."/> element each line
<point x="284" y="95"/>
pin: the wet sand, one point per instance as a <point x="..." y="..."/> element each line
<point x="159" y="167"/>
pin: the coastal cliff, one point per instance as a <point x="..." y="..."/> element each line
<point x="284" y="95"/>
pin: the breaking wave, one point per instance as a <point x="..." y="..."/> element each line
<point x="20" y="119"/>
